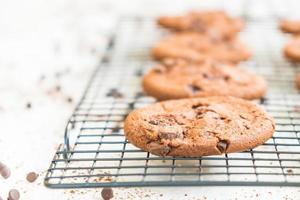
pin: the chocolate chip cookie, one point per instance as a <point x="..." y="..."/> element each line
<point x="199" y="127"/>
<point x="177" y="79"/>
<point x="196" y="46"/>
<point x="290" y="26"/>
<point x="292" y="49"/>
<point x="213" y="23"/>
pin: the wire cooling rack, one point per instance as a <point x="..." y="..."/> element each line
<point x="95" y="152"/>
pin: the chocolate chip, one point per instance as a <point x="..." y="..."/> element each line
<point x="107" y="193"/>
<point x="28" y="105"/>
<point x="114" y="93"/>
<point x="58" y="88"/>
<point x="31" y="177"/>
<point x="194" y="88"/>
<point x="226" y="78"/>
<point x="139" y="73"/>
<point x="159" y="69"/>
<point x="153" y="122"/>
<point x="69" y="99"/>
<point x="4" y="171"/>
<point x="170" y="135"/>
<point x="222" y="145"/>
<point x="13" y="195"/>
<point x="195" y="106"/>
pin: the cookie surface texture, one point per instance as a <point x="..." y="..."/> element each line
<point x="182" y="79"/>
<point x="198" y="127"/>
<point x="292" y="49"/>
<point x="216" y="23"/>
<point x="195" y="47"/>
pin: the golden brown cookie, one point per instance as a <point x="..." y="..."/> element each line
<point x="199" y="127"/>
<point x="179" y="79"/>
<point x="298" y="81"/>
<point x="213" y="23"/>
<point x="290" y="26"/>
<point x="196" y="46"/>
<point x="292" y="49"/>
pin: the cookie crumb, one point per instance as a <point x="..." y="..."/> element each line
<point x="28" y="105"/>
<point x="58" y="88"/>
<point x="290" y="171"/>
<point x="31" y="177"/>
<point x="107" y="193"/>
<point x="69" y="99"/>
<point x="13" y="195"/>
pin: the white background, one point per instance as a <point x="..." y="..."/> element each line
<point x="56" y="40"/>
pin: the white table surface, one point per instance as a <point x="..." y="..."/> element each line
<point x="54" y="39"/>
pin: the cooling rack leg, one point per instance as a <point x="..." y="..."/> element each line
<point x="66" y="147"/>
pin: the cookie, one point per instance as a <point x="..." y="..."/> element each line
<point x="298" y="81"/>
<point x="213" y="23"/>
<point x="180" y="79"/>
<point x="292" y="50"/>
<point x="290" y="26"/>
<point x="196" y="46"/>
<point x="198" y="127"/>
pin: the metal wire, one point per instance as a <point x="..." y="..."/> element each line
<point x="95" y="152"/>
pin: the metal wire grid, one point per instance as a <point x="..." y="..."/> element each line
<point x="96" y="154"/>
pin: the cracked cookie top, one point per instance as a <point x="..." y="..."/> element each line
<point x="198" y="126"/>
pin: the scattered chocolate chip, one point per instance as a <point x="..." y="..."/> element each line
<point x="13" y="195"/>
<point x="139" y="94"/>
<point x="115" y="129"/>
<point x="290" y="171"/>
<point x="114" y="93"/>
<point x="222" y="145"/>
<point x="194" y="88"/>
<point x="69" y="99"/>
<point x="195" y="106"/>
<point x="107" y="193"/>
<point x="28" y="105"/>
<point x="57" y="88"/>
<point x="31" y="177"/>
<point x="185" y="194"/>
<point x="105" y="59"/>
<point x="4" y="171"/>
<point x="139" y="73"/>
